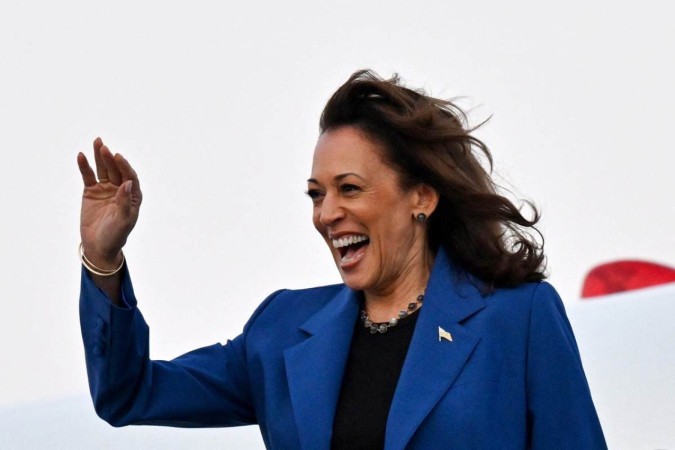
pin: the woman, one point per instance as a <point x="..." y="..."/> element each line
<point x="443" y="334"/>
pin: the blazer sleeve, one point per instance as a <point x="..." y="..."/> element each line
<point x="561" y="414"/>
<point x="207" y="387"/>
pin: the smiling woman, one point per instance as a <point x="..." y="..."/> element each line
<point x="360" y="205"/>
<point x="441" y="335"/>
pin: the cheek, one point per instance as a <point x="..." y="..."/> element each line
<point x="396" y="225"/>
<point x="316" y="221"/>
<point x="396" y="236"/>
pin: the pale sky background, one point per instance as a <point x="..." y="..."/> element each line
<point x="216" y="104"/>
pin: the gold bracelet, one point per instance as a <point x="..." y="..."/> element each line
<point x="91" y="267"/>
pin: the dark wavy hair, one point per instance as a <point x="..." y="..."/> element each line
<point x="427" y="140"/>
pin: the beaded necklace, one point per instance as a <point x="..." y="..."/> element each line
<point x="382" y="327"/>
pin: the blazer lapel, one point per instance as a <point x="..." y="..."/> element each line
<point x="315" y="368"/>
<point x="432" y="364"/>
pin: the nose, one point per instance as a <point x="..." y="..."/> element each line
<point x="330" y="210"/>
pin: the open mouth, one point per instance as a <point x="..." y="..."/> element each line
<point x="351" y="247"/>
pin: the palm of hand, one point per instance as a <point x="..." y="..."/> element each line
<point x="110" y="206"/>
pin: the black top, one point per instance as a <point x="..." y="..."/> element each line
<point x="370" y="378"/>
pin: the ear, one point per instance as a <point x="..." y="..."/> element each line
<point x="425" y="199"/>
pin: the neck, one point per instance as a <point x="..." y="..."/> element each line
<point x="383" y="305"/>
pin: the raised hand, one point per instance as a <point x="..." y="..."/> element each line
<point x="110" y="204"/>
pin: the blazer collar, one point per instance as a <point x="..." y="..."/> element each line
<point x="433" y="363"/>
<point x="315" y="366"/>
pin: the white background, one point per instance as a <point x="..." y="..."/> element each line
<point x="217" y="103"/>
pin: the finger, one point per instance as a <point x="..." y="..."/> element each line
<point x="114" y="174"/>
<point x="88" y="176"/>
<point x="101" y="170"/>
<point x="123" y="199"/>
<point x="128" y="172"/>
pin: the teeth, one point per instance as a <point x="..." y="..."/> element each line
<point x="349" y="240"/>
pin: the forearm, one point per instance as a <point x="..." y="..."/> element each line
<point x="116" y="349"/>
<point x="207" y="387"/>
<point x="111" y="286"/>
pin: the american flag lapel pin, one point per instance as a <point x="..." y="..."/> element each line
<point x="442" y="334"/>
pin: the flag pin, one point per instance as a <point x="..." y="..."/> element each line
<point x="442" y="334"/>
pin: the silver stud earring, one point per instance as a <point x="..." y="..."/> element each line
<point x="421" y="218"/>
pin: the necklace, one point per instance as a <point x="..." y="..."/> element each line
<point x="382" y="327"/>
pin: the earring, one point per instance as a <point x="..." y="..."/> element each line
<point x="421" y="218"/>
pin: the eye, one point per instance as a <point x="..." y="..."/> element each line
<point x="314" y="194"/>
<point x="349" y="188"/>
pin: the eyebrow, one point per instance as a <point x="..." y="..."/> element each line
<point x="338" y="177"/>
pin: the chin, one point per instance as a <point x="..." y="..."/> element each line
<point x="353" y="284"/>
<point x="354" y="280"/>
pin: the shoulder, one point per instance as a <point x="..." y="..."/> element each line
<point x="276" y="325"/>
<point x="313" y="298"/>
<point x="526" y="291"/>
<point x="521" y="313"/>
<point x="293" y="304"/>
<point x="525" y="297"/>
<point x="537" y="301"/>
<point x="535" y="313"/>
<point x="299" y="296"/>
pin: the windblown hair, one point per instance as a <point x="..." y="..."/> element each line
<point x="427" y="140"/>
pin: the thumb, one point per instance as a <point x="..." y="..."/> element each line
<point x="123" y="198"/>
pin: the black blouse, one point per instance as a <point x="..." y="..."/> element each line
<point x="373" y="368"/>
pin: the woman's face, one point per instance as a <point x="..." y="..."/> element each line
<point x="363" y="214"/>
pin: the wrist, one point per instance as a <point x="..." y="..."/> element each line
<point x="104" y="260"/>
<point x="101" y="264"/>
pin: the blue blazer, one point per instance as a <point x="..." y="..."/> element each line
<point x="510" y="378"/>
